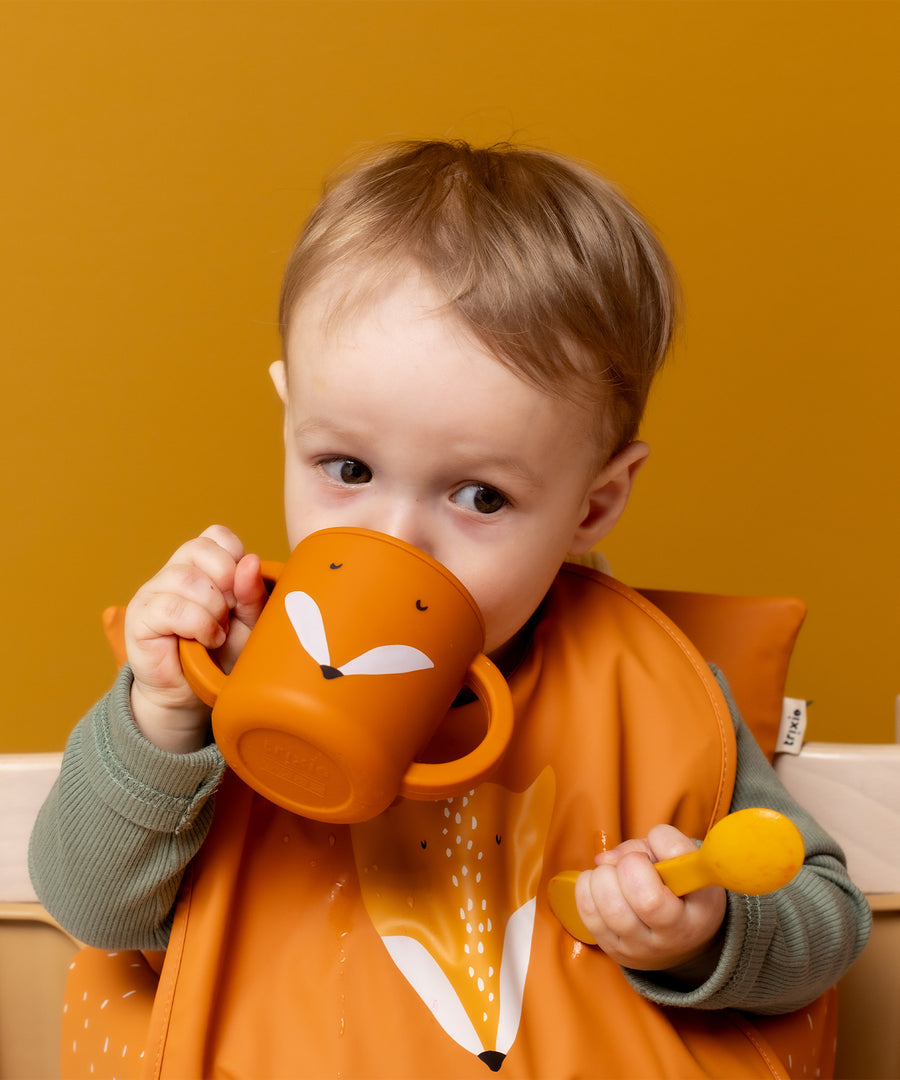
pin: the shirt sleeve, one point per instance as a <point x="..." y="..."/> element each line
<point x="784" y="949"/>
<point x="123" y="820"/>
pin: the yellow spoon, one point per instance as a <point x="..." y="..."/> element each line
<point x="750" y="851"/>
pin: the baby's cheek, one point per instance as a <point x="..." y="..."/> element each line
<point x="504" y="616"/>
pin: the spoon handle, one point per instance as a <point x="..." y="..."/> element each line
<point x="685" y="873"/>
<point x="682" y="875"/>
<point x="561" y="892"/>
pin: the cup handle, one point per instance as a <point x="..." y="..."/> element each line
<point x="440" y="780"/>
<point x="203" y="674"/>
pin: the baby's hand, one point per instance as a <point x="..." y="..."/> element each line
<point x="635" y="918"/>
<point x="211" y="591"/>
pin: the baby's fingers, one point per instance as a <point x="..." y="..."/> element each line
<point x="605" y="911"/>
<point x="250" y="597"/>
<point x="215" y="554"/>
<point x="629" y="896"/>
<point x="627" y="847"/>
<point x="181" y="601"/>
<point x="250" y="591"/>
<point x="175" y="615"/>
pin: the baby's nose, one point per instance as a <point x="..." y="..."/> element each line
<point x="409" y="521"/>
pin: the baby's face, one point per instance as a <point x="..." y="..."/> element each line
<point x="397" y="420"/>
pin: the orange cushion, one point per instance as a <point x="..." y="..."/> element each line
<point x="750" y="638"/>
<point x="114" y="628"/>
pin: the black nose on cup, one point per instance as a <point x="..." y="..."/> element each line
<point x="331" y="672"/>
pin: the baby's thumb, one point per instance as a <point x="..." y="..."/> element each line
<point x="666" y="842"/>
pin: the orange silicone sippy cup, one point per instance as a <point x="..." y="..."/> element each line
<point x="356" y="659"/>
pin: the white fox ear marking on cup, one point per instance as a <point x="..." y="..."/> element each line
<point x="306" y="619"/>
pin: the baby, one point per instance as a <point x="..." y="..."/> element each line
<point x="469" y="340"/>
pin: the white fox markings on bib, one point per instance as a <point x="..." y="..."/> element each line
<point x="451" y="888"/>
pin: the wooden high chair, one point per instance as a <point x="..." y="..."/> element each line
<point x="34" y="951"/>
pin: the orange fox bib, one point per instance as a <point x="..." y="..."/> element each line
<point x="421" y="943"/>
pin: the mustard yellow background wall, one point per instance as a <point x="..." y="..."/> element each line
<point x="159" y="157"/>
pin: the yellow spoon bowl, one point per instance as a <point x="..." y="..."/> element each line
<point x="751" y="851"/>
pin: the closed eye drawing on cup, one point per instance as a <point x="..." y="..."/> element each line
<point x="306" y="619"/>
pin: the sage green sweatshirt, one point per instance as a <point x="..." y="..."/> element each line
<point x="124" y="819"/>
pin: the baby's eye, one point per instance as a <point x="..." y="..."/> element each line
<point x="347" y="471"/>
<point x="481" y="499"/>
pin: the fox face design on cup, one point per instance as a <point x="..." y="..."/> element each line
<point x="306" y="618"/>
<point x="353" y="665"/>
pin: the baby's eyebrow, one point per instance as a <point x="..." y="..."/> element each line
<point x="313" y="426"/>
<point x="484" y="466"/>
<point x="516" y="467"/>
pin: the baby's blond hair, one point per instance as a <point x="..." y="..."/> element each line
<point x="545" y="262"/>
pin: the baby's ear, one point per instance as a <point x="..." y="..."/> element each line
<point x="278" y="375"/>
<point x="607" y="497"/>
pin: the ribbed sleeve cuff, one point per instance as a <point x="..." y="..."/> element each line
<point x="718" y="989"/>
<point x="144" y="784"/>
